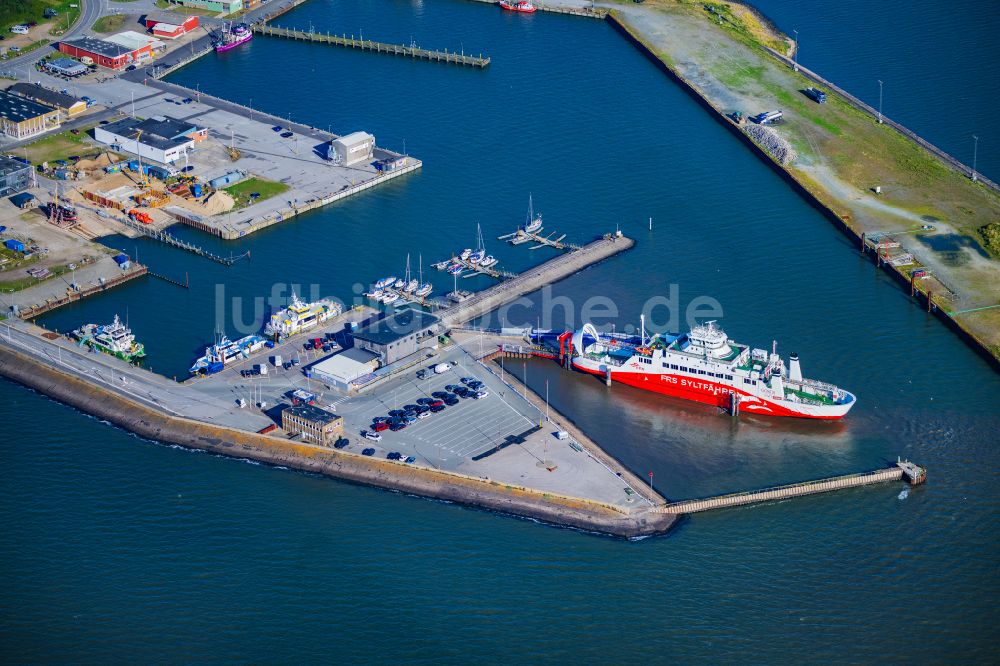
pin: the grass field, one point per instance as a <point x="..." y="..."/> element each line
<point x="109" y="23"/>
<point x="60" y="147"/>
<point x="265" y="188"/>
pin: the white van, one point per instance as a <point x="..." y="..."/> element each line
<point x="261" y="369"/>
<point x="442" y="368"/>
<point x="19" y="29"/>
<point x="277" y="360"/>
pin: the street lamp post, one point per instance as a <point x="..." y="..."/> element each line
<point x="880" y="101"/>
<point x="975" y="154"/>
<point x="795" y="53"/>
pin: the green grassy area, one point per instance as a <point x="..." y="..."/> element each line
<point x="109" y="23"/>
<point x="60" y="147"/>
<point x="241" y="192"/>
<point x="25" y="49"/>
<point x="991" y="237"/>
<point x="15" y="265"/>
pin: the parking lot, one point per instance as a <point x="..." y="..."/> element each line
<point x="464" y="430"/>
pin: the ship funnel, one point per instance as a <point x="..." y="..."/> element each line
<point x="794" y="371"/>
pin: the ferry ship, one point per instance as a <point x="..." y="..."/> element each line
<point x="233" y="36"/>
<point x="226" y="351"/>
<point x="704" y="365"/>
<point x="299" y="316"/>
<point x="522" y="6"/>
<point x="114" y="338"/>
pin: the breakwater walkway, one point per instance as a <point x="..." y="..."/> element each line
<point x="534" y="279"/>
<point x="914" y="474"/>
<point x="373" y="46"/>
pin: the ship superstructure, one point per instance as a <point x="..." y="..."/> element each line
<point x="115" y="339"/>
<point x="299" y="316"/>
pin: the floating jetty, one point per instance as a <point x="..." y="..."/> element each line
<point x="472" y="270"/>
<point x="521" y="236"/>
<point x="533" y="279"/>
<point x="376" y="47"/>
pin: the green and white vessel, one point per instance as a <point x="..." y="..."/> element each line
<point x="114" y="338"/>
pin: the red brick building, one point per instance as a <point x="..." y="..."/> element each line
<point x="105" y="54"/>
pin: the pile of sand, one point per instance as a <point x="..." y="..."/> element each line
<point x="218" y="202"/>
<point x="99" y="162"/>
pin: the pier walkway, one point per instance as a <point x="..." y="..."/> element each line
<point x="369" y="45"/>
<point x="534" y="279"/>
<point x="912" y="472"/>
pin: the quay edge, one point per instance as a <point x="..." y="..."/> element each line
<point x="466" y="490"/>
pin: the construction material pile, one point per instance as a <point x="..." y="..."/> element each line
<point x="775" y="144"/>
<point x="218" y="202"/>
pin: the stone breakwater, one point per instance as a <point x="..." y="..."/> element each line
<point x="146" y="422"/>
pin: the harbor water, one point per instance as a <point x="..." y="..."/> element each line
<point x="117" y="548"/>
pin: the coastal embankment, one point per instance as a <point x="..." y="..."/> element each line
<point x="447" y="486"/>
<point x="912" y="208"/>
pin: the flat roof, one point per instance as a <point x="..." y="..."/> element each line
<point x="157" y="17"/>
<point x="396" y="326"/>
<point x="9" y="165"/>
<point x="44" y="95"/>
<point x="99" y="46"/>
<point x="134" y="40"/>
<point x="312" y="413"/>
<point x="17" y="109"/>
<point x="159" y="132"/>
<point x="354" y="138"/>
<point x="67" y="65"/>
<point x="345" y="366"/>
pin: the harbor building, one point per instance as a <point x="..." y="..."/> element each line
<point x="104" y="53"/>
<point x="312" y="423"/>
<point x="352" y="148"/>
<point x="161" y="138"/>
<point x="170" y="26"/>
<point x="216" y="6"/>
<point x="15" y="176"/>
<point x="136" y="41"/>
<point x="343" y="369"/>
<point x="66" y="67"/>
<point x="397" y="335"/>
<point x="67" y="105"/>
<point x="22" y="118"/>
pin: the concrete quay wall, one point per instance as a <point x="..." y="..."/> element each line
<point x="147" y="422"/>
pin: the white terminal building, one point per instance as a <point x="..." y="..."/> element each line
<point x="161" y="139"/>
<point x="352" y="148"/>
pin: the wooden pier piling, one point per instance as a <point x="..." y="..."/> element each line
<point x="370" y="45"/>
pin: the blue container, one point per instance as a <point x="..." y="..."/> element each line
<point x="214" y="367"/>
<point x="13" y="244"/>
<point x="196" y="189"/>
<point x="269" y="344"/>
<point x="133" y="165"/>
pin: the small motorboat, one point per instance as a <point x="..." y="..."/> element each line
<point x="522" y="6"/>
<point x="488" y="260"/>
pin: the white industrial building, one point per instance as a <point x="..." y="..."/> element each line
<point x="352" y="148"/>
<point x="160" y="139"/>
<point x="135" y="41"/>
<point x="341" y="369"/>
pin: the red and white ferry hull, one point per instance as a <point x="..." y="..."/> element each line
<point x="711" y="393"/>
<point x="523" y="8"/>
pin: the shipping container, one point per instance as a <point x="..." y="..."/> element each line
<point x="214" y="367"/>
<point x="14" y="244"/>
<point x="196" y="189"/>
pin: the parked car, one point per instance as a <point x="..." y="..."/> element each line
<point x="424" y="414"/>
<point x="425" y="401"/>
<point x="467" y="380"/>
<point x="435" y="403"/>
<point x="341" y="443"/>
<point x="451" y="401"/>
<point x="380" y="426"/>
<point x="397" y="413"/>
<point x="372" y="435"/>
<point x="463" y="392"/>
<point x="187" y="100"/>
<point x="276" y="128"/>
<point x="74" y="131"/>
<point x="286" y="135"/>
<point x="440" y="395"/>
<point x="130" y="68"/>
<point x="381" y="419"/>
<point x="397" y="426"/>
<point x="481" y="394"/>
<point x="453" y="387"/>
<point x="437" y="408"/>
<point x="368" y="452"/>
<point x="410" y="459"/>
<point x="394" y="455"/>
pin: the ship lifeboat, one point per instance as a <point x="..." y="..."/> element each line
<point x="522" y="6"/>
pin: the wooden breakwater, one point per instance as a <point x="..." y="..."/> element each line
<point x="145" y="421"/>
<point x="914" y="473"/>
<point x="373" y="46"/>
<point x="534" y="279"/>
<point x="72" y="295"/>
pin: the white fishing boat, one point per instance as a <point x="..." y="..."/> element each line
<point x="226" y="351"/>
<point x="385" y="282"/>
<point x="423" y="290"/>
<point x="488" y="260"/>
<point x="465" y="254"/>
<point x="411" y="286"/>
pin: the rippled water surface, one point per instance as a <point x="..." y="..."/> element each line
<point x="115" y="548"/>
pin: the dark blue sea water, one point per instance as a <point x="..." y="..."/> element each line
<point x="116" y="549"/>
